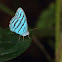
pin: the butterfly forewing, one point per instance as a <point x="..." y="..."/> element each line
<point x="18" y="23"/>
<point x="19" y="12"/>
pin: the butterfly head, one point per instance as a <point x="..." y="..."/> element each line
<point x="25" y="34"/>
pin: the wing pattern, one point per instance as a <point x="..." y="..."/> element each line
<point x="18" y="23"/>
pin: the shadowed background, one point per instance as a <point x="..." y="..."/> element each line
<point x="32" y="8"/>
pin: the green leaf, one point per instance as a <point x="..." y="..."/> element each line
<point x="10" y="46"/>
<point x="46" y="20"/>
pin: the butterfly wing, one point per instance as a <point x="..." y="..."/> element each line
<point x="18" y="23"/>
<point x="12" y="21"/>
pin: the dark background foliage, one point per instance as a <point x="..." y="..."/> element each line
<point x="34" y="10"/>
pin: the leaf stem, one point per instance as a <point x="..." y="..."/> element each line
<point x="6" y="9"/>
<point x="42" y="48"/>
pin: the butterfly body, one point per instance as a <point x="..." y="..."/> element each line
<point x="18" y="23"/>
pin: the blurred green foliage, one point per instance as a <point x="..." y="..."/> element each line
<point x="11" y="47"/>
<point x="47" y="18"/>
<point x="6" y="9"/>
<point x="46" y="22"/>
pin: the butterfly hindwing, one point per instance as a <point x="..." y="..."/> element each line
<point x="18" y="23"/>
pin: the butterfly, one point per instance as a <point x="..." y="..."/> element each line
<point x="18" y="23"/>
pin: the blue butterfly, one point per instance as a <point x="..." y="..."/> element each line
<point x="18" y="23"/>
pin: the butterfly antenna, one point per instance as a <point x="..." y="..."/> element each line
<point x="33" y="29"/>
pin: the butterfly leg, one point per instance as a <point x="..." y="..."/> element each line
<point x="23" y="38"/>
<point x="29" y="37"/>
<point x="19" y="38"/>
